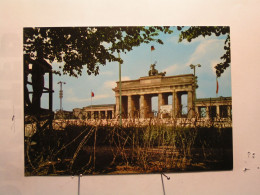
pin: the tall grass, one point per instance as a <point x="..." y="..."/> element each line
<point x="132" y="148"/>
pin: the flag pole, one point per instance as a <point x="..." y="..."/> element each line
<point x="152" y="48"/>
<point x="151" y="54"/>
<point x="91" y="98"/>
<point x="217" y="86"/>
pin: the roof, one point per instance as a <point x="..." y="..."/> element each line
<point x="213" y="99"/>
<point x="100" y="105"/>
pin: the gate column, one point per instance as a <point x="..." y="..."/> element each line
<point x="142" y="106"/>
<point x="174" y="97"/>
<point x="190" y="104"/>
<point x="148" y="106"/>
<point x="117" y="106"/>
<point x="130" y="106"/>
<point x="160" y="101"/>
<point x="218" y="111"/>
<point x="176" y="101"/>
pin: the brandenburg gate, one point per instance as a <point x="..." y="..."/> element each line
<point x="137" y="95"/>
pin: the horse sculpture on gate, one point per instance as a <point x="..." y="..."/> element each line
<point x="154" y="72"/>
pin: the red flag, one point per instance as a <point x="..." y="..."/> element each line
<point x="152" y="48"/>
<point x="92" y="94"/>
<point x="217" y="87"/>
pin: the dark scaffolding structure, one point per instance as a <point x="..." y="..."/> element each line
<point x="35" y="69"/>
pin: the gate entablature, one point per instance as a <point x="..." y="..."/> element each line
<point x="141" y="91"/>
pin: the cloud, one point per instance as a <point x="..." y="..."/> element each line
<point x="112" y="83"/>
<point x="213" y="64"/>
<point x="206" y="49"/>
<point x="198" y="39"/>
<point x="125" y="78"/>
<point x="175" y="39"/>
<point x="171" y="69"/>
<point x="109" y="73"/>
<point x="176" y="69"/>
<point x="208" y="54"/>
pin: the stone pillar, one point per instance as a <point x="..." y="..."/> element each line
<point x="136" y="106"/>
<point x="106" y="114"/>
<point x="124" y="106"/>
<point x="99" y="115"/>
<point x="207" y="112"/>
<point x="148" y="106"/>
<point x="113" y="114"/>
<point x="190" y="104"/>
<point x="130" y="106"/>
<point x="229" y="111"/>
<point x="197" y="113"/>
<point x="160" y="101"/>
<point x="92" y="114"/>
<point x="117" y="106"/>
<point x="142" y="106"/>
<point x="174" y="104"/>
<point x="217" y="111"/>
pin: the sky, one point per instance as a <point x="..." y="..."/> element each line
<point x="172" y="57"/>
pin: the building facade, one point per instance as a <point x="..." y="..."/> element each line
<point x="103" y="111"/>
<point x="220" y="107"/>
<point x="137" y="94"/>
<point x="136" y="100"/>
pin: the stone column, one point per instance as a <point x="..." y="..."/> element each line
<point x="99" y="115"/>
<point x="106" y="114"/>
<point x="142" y="106"/>
<point x="124" y="106"/>
<point x="136" y="106"/>
<point x="174" y="104"/>
<point x="176" y="99"/>
<point x="130" y="106"/>
<point x="160" y="101"/>
<point x="207" y="112"/>
<point x="217" y="111"/>
<point x="190" y="104"/>
<point x="148" y="105"/>
<point x="117" y="106"/>
<point x="113" y="114"/>
<point x="92" y="114"/>
<point x="197" y="111"/>
<point x="229" y="111"/>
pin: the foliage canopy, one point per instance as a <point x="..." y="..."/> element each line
<point x="195" y="31"/>
<point x="86" y="46"/>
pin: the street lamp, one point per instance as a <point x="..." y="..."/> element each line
<point x="61" y="93"/>
<point x="192" y="66"/>
<point x="120" y="93"/>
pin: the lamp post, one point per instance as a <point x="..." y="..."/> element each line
<point x="192" y="66"/>
<point x="120" y="93"/>
<point x="61" y="93"/>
